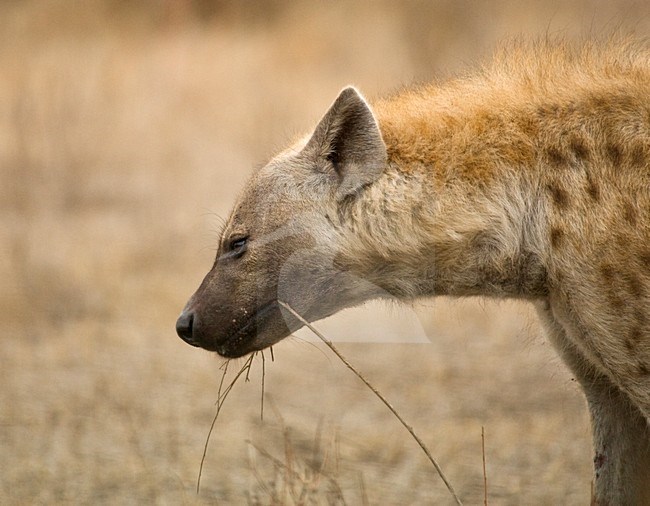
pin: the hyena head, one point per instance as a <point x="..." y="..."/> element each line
<point x="284" y="238"/>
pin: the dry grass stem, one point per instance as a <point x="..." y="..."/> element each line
<point x="221" y="397"/>
<point x="485" y="492"/>
<point x="379" y="395"/>
<point x="262" y="394"/>
<point x="362" y="486"/>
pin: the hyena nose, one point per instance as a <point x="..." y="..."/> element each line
<point x="184" y="328"/>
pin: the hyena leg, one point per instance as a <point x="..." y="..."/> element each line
<point x="621" y="432"/>
<point x="621" y="444"/>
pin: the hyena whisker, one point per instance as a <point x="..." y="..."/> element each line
<point x="221" y="224"/>
<point x="304" y="341"/>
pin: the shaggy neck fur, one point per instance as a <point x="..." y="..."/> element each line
<point x="487" y="176"/>
<point x="458" y="196"/>
<point x="414" y="235"/>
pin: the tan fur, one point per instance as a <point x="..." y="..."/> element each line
<point x="529" y="180"/>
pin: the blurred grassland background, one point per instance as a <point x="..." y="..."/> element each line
<point x="126" y="131"/>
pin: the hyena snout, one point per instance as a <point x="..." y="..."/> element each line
<point x="185" y="328"/>
<point x="232" y="331"/>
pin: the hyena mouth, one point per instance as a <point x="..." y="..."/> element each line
<point x="243" y="341"/>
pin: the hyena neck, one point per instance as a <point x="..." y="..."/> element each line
<point x="453" y="213"/>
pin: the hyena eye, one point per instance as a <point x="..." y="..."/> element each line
<point x="238" y="246"/>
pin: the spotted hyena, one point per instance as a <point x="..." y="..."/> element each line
<point x="529" y="180"/>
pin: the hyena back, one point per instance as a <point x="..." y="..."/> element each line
<point x="529" y="180"/>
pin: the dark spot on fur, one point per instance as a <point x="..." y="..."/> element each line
<point x="341" y="262"/>
<point x="645" y="259"/>
<point x="557" y="237"/>
<point x="547" y="110"/>
<point x="614" y="154"/>
<point x="593" y="189"/>
<point x="638" y="155"/>
<point x="643" y="369"/>
<point x="608" y="272"/>
<point x="635" y="285"/>
<point x="622" y="240"/>
<point x="630" y="214"/>
<point x="599" y="101"/>
<point x="556" y="157"/>
<point x="613" y="292"/>
<point x="640" y="317"/>
<point x="579" y="148"/>
<point x="528" y="125"/>
<point x="570" y="107"/>
<point x="636" y="332"/>
<point x="559" y="196"/>
<point x="635" y="337"/>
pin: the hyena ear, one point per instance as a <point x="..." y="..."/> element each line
<point x="347" y="140"/>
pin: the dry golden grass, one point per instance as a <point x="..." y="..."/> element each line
<point x="124" y="134"/>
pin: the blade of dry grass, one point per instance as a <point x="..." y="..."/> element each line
<point x="262" y="394"/>
<point x="485" y="493"/>
<point x="362" y="487"/>
<point x="221" y="398"/>
<point x="379" y="395"/>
